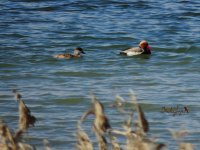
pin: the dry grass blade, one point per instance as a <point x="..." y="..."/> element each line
<point x="143" y="121"/>
<point x="100" y="123"/>
<point x="141" y="117"/>
<point x="115" y="145"/>
<point x="185" y="146"/>
<point x="23" y="146"/>
<point x="101" y="140"/>
<point x="83" y="141"/>
<point x="178" y="134"/>
<point x="46" y="145"/>
<point x="119" y="104"/>
<point x="4" y="147"/>
<point x="9" y="141"/>
<point x="18" y="134"/>
<point x="6" y="135"/>
<point x="88" y="112"/>
<point x="25" y="117"/>
<point x="128" y="122"/>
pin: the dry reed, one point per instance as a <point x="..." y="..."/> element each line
<point x="25" y="117"/>
<point x="134" y="131"/>
<point x="100" y="124"/>
<point x="46" y="144"/>
<point x="11" y="141"/>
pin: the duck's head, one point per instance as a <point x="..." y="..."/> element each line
<point x="78" y="51"/>
<point x="144" y="45"/>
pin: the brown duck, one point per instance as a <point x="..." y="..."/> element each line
<point x="77" y="54"/>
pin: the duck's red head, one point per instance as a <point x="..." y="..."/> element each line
<point x="144" y="45"/>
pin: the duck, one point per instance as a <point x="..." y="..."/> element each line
<point x="143" y="48"/>
<point x="77" y="54"/>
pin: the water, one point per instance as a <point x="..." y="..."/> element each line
<point x="57" y="91"/>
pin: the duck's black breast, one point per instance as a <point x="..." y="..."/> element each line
<point x="147" y="51"/>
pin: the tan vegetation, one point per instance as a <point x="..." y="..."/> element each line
<point x="134" y="131"/>
<point x="12" y="141"/>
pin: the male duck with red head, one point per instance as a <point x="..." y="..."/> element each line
<point x="77" y="53"/>
<point x="143" y="48"/>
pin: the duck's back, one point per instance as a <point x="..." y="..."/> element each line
<point x="63" y="56"/>
<point x="132" y="51"/>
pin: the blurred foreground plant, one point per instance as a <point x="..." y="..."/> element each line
<point x="12" y="141"/>
<point x="25" y="117"/>
<point x="134" y="131"/>
<point x="135" y="134"/>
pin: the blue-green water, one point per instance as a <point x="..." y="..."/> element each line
<point x="57" y="91"/>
